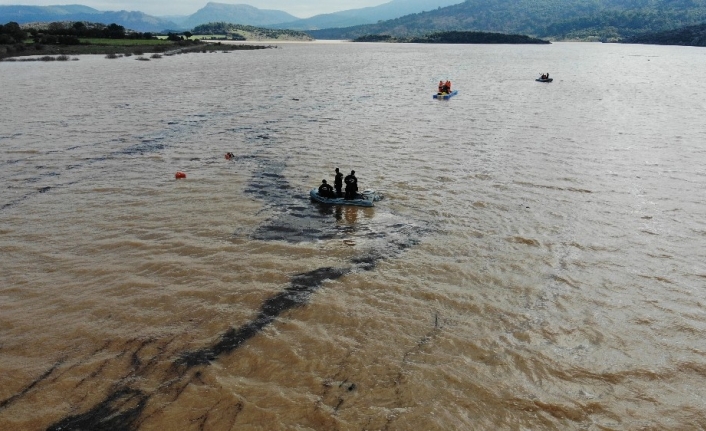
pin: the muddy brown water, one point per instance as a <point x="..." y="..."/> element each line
<point x="537" y="262"/>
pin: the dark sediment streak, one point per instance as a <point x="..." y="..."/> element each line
<point x="294" y="219"/>
<point x="119" y="411"/>
<point x="295" y="223"/>
<point x="29" y="387"/>
<point x="297" y="293"/>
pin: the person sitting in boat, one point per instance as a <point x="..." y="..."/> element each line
<point x="351" y="185"/>
<point x="325" y="190"/>
<point x="441" y="87"/>
<point x="447" y="86"/>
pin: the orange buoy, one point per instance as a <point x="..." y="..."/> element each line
<point x="180" y="174"/>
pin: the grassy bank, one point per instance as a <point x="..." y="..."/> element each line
<point x="115" y="47"/>
<point x="126" y="42"/>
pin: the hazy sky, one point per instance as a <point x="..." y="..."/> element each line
<point x="298" y="8"/>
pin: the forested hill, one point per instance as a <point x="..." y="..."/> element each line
<point x="694" y="35"/>
<point x="556" y="19"/>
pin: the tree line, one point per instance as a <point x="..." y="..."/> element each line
<point x="11" y="33"/>
<point x="477" y="37"/>
<point x="463" y="37"/>
<point x="66" y="33"/>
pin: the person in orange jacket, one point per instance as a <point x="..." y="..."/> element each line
<point x="441" y="86"/>
<point x="447" y="86"/>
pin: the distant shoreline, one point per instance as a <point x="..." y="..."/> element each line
<point x="10" y="52"/>
<point x="457" y="37"/>
<point x="284" y="42"/>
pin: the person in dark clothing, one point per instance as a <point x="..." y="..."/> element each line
<point x="325" y="190"/>
<point x="338" y="183"/>
<point x="351" y="185"/>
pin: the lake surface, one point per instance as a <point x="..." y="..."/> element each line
<point x="538" y="261"/>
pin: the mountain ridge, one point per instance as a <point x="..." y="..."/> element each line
<point x="215" y="12"/>
<point x="134" y="20"/>
<point x="237" y="14"/>
<point x="368" y="15"/>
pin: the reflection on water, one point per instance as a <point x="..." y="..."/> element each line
<point x="537" y="262"/>
<point x="351" y="215"/>
<point x="347" y="215"/>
